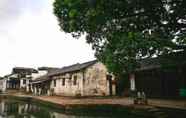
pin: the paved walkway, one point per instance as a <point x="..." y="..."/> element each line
<point x="70" y="101"/>
<point x="179" y="104"/>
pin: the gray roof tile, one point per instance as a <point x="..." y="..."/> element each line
<point x="67" y="69"/>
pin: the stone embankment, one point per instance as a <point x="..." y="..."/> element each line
<point x="104" y="104"/>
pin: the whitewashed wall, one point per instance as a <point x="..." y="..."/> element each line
<point x="3" y="85"/>
<point x="94" y="83"/>
<point x="69" y="89"/>
<point x="95" y="80"/>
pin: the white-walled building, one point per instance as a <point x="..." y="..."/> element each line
<point x="86" y="79"/>
<point x="2" y="85"/>
<point x="42" y="72"/>
<point x="19" y="79"/>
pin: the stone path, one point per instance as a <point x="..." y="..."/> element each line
<point x="68" y="101"/>
<point x="180" y="104"/>
<point x="125" y="101"/>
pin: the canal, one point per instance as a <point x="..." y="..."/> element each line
<point x="11" y="108"/>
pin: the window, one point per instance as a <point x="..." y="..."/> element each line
<point x="63" y="81"/>
<point x="54" y="83"/>
<point x="70" y="77"/>
<point x="75" y="80"/>
<point x="24" y="81"/>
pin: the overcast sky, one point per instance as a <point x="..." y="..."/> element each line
<point x="30" y="37"/>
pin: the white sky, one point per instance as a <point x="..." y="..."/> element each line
<point x="30" y="37"/>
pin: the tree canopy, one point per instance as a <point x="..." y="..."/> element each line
<point x="124" y="31"/>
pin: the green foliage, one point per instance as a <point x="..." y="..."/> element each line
<point x="123" y="31"/>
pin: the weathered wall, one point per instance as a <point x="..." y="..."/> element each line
<point x="94" y="82"/>
<point x="22" y="84"/>
<point x="2" y="85"/>
<point x="69" y="89"/>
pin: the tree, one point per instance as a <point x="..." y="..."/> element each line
<point x="124" y="31"/>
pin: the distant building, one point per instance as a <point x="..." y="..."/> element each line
<point x="20" y="78"/>
<point x="86" y="79"/>
<point x="42" y="73"/>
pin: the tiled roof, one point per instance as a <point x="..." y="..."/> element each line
<point x="172" y="59"/>
<point x="47" y="68"/>
<point x="24" y="69"/>
<point x="41" y="79"/>
<point x="44" y="77"/>
<point x="73" y="68"/>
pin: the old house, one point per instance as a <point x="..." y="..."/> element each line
<point x="163" y="76"/>
<point x="86" y="79"/>
<point x="40" y="84"/>
<point x="19" y="79"/>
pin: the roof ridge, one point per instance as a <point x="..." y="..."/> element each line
<point x="89" y="61"/>
<point x="74" y="67"/>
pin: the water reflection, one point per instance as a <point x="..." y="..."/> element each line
<point x="16" y="109"/>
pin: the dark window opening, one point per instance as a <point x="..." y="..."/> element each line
<point x="63" y="81"/>
<point x="75" y="80"/>
<point x="70" y="77"/>
<point x="24" y="81"/>
<point x="54" y="83"/>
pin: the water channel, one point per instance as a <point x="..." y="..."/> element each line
<point x="11" y="108"/>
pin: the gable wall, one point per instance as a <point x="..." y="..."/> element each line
<point x="95" y="80"/>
